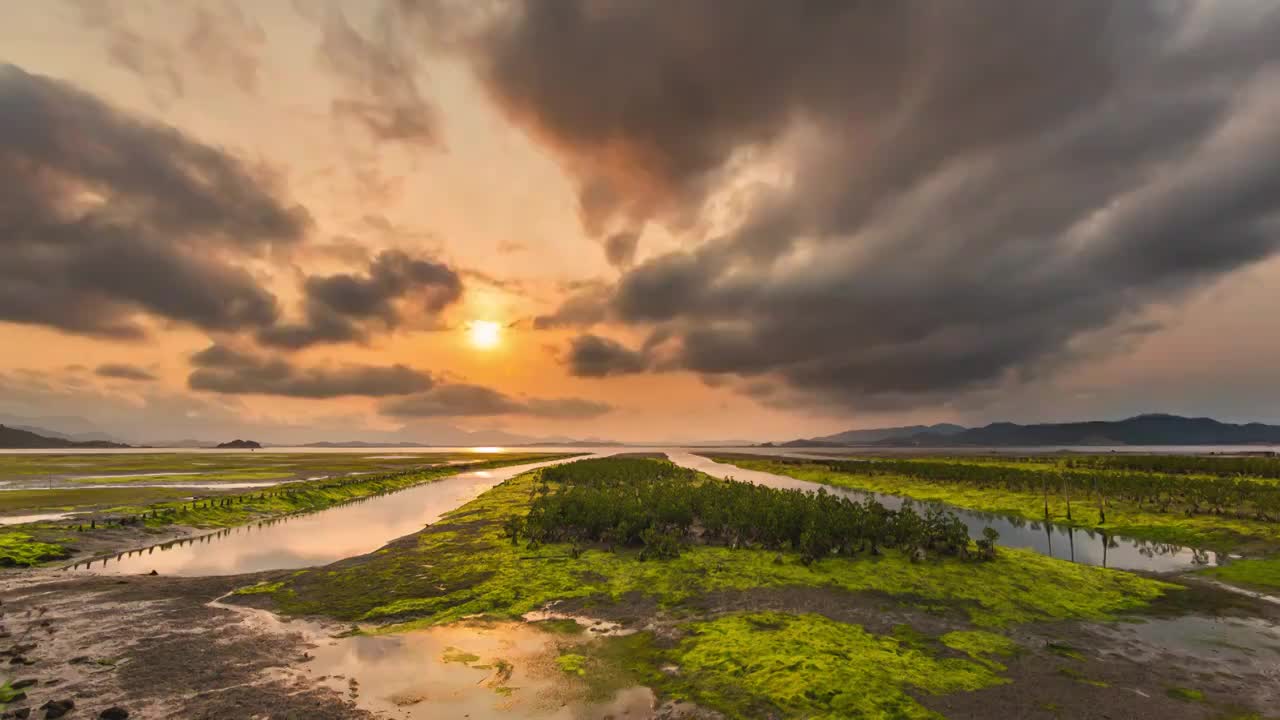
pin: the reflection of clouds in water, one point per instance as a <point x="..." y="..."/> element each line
<point x="391" y="668"/>
<point x="318" y="538"/>
<point x="19" y="519"/>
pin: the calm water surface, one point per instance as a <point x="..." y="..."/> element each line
<point x="314" y="539"/>
<point x="361" y="527"/>
<point x="1065" y="543"/>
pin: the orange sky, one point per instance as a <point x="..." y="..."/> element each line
<point x="498" y="203"/>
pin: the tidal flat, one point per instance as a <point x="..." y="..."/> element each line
<point x="541" y="598"/>
<point x="100" y="521"/>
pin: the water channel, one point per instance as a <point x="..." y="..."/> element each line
<point x="365" y="525"/>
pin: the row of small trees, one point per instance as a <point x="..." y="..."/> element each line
<point x="1250" y="466"/>
<point x="1261" y="467"/>
<point x="1190" y="494"/>
<point x="660" y="507"/>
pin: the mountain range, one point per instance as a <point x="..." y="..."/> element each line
<point x="1146" y="429"/>
<point x="18" y="438"/>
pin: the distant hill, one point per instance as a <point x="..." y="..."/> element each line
<point x="15" y="438"/>
<point x="239" y="444"/>
<point x="1149" y="429"/>
<point x="360" y="444"/>
<point x="61" y="427"/>
<point x="870" y="436"/>
<point x="183" y="443"/>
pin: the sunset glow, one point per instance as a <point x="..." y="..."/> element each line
<point x="484" y="334"/>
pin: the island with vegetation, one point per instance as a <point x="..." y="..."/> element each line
<point x="239" y="444"/>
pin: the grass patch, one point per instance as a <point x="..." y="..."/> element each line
<point x="1218" y="532"/>
<point x="19" y="549"/>
<point x="1261" y="573"/>
<point x="463" y="566"/>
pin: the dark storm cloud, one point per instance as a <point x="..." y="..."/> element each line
<point x="620" y="249"/>
<point x="104" y="217"/>
<point x="971" y="187"/>
<point x="378" y="77"/>
<point x="222" y="369"/>
<point x="463" y="400"/>
<point x="342" y="307"/>
<point x="124" y="371"/>
<point x="595" y="356"/>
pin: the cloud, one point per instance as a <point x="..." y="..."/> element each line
<point x="463" y="400"/>
<point x="339" y="308"/>
<point x="106" y="217"/>
<point x="620" y="248"/>
<point x="595" y="356"/>
<point x="124" y="371"/>
<point x="378" y="78"/>
<point x="219" y="41"/>
<point x="222" y="369"/>
<point x="585" y="306"/>
<point x="943" y="197"/>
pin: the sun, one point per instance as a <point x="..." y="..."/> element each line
<point x="484" y="334"/>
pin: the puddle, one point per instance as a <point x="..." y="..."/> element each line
<point x="20" y="519"/>
<point x="591" y="626"/>
<point x="500" y="670"/>
<point x="1253" y="644"/>
<point x="1239" y="655"/>
<point x="312" y="539"/>
<point x="1065" y="543"/>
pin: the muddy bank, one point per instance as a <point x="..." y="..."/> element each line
<point x="155" y="647"/>
<point x="161" y="647"/>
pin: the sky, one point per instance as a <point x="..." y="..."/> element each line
<point x="755" y="220"/>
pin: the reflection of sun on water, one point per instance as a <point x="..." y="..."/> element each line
<point x="484" y="334"/>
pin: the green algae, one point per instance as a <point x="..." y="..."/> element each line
<point x="18" y="549"/>
<point x="1080" y="677"/>
<point x="214" y="467"/>
<point x="560" y="626"/>
<point x="8" y="694"/>
<point x="464" y="566"/>
<point x="173" y="506"/>
<point x="1260" y="573"/>
<point x="1064" y="650"/>
<point x="1219" y="532"/>
<point x="454" y="655"/>
<point x="980" y="645"/>
<point x="810" y="666"/>
<point x="572" y="664"/>
<point x="259" y="589"/>
<point x="1185" y="694"/>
